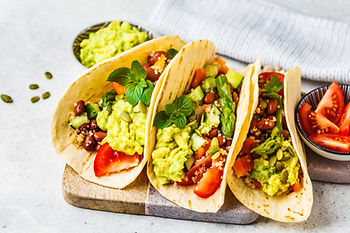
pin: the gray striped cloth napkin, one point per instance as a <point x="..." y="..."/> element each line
<point x="247" y="30"/>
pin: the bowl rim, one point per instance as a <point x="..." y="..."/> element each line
<point x="301" y="130"/>
<point x="103" y="24"/>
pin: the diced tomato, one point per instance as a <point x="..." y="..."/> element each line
<point x="248" y="145"/>
<point x="120" y="89"/>
<point x="223" y="69"/>
<point x="203" y="163"/>
<point x="333" y="142"/>
<point x="199" y="153"/>
<point x="344" y="125"/>
<point x="243" y="165"/>
<point x="332" y="103"/>
<point x="205" y="107"/>
<point x="296" y="186"/>
<point x="257" y="184"/>
<point x="108" y="161"/>
<point x="198" y="77"/>
<point x="209" y="183"/>
<point x="220" y="60"/>
<point x="269" y="75"/>
<point x="221" y="140"/>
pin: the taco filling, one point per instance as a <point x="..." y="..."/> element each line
<point x="195" y="131"/>
<point x="268" y="160"/>
<point x="115" y="126"/>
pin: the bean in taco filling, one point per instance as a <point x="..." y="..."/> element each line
<point x="195" y="131"/>
<point x="268" y="160"/>
<point x="115" y="126"/>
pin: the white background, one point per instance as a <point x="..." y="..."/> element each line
<point x="37" y="36"/>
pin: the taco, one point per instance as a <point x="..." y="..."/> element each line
<point x="197" y="119"/>
<point x="99" y="126"/>
<point x="268" y="171"/>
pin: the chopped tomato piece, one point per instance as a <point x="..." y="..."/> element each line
<point x="333" y="142"/>
<point x="257" y="184"/>
<point x="344" y="125"/>
<point x="203" y="163"/>
<point x="221" y="140"/>
<point x="198" y="77"/>
<point x="305" y="118"/>
<point x="296" y="186"/>
<point x="220" y="60"/>
<point x="243" y="165"/>
<point x="120" y="89"/>
<point x="205" y="107"/>
<point x="108" y="161"/>
<point x="248" y="145"/>
<point x="222" y="65"/>
<point x="199" y="153"/>
<point x="209" y="183"/>
<point x="332" y="103"/>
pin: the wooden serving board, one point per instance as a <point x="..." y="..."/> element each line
<point x="141" y="198"/>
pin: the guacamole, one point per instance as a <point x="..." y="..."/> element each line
<point x="172" y="150"/>
<point x="107" y="42"/>
<point x="126" y="127"/>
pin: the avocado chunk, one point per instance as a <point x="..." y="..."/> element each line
<point x="189" y="162"/>
<point x="208" y="84"/>
<point x="92" y="110"/>
<point x="196" y="94"/>
<point x="211" y="70"/>
<point x="76" y="122"/>
<point x="234" y="78"/>
<point x="211" y="120"/>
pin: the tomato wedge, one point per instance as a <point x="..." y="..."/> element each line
<point x="203" y="163"/>
<point x="344" y="125"/>
<point x="209" y="183"/>
<point x="108" y="161"/>
<point x="243" y="165"/>
<point x="120" y="89"/>
<point x="313" y="122"/>
<point x="332" y="103"/>
<point x="333" y="142"/>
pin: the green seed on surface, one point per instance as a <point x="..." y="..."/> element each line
<point x="35" y="99"/>
<point x="33" y="86"/>
<point x="286" y="156"/>
<point x="263" y="104"/>
<point x="6" y="98"/>
<point x="46" y="95"/>
<point x="279" y="166"/>
<point x="272" y="161"/>
<point x="48" y="75"/>
<point x="284" y="176"/>
<point x="143" y="107"/>
<point x="279" y="154"/>
<point x="125" y="117"/>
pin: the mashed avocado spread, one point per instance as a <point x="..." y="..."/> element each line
<point x="107" y="42"/>
<point x="126" y="127"/>
<point x="172" y="150"/>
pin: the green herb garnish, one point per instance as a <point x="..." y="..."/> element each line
<point x="171" y="53"/>
<point x="137" y="88"/>
<point x="175" y="112"/>
<point x="275" y="85"/>
<point x="6" y="98"/>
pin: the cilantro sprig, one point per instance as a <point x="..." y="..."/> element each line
<point x="275" y="85"/>
<point x="137" y="87"/>
<point x="175" y="112"/>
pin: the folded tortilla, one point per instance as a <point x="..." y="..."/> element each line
<point x="90" y="87"/>
<point x="292" y="207"/>
<point x="191" y="57"/>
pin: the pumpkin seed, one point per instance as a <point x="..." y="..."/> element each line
<point x="125" y="117"/>
<point x="284" y="176"/>
<point x="48" y="75"/>
<point x="33" y="86"/>
<point x="46" y="95"/>
<point x="35" y="99"/>
<point x="263" y="104"/>
<point x="279" y="154"/>
<point x="272" y="161"/>
<point x="143" y="107"/>
<point x="279" y="166"/>
<point x="6" y="98"/>
<point x="286" y="156"/>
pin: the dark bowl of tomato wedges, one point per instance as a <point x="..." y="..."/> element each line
<point x="323" y="120"/>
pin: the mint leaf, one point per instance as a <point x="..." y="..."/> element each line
<point x="161" y="120"/>
<point x="147" y="93"/>
<point x="183" y="104"/>
<point x="179" y="119"/>
<point x="120" y="75"/>
<point x="169" y="109"/>
<point x="274" y="85"/>
<point x="137" y="72"/>
<point x="142" y="83"/>
<point x="171" y="53"/>
<point x="133" y="93"/>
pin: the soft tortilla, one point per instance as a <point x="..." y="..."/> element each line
<point x="294" y="207"/>
<point x="179" y="77"/>
<point x="90" y="87"/>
